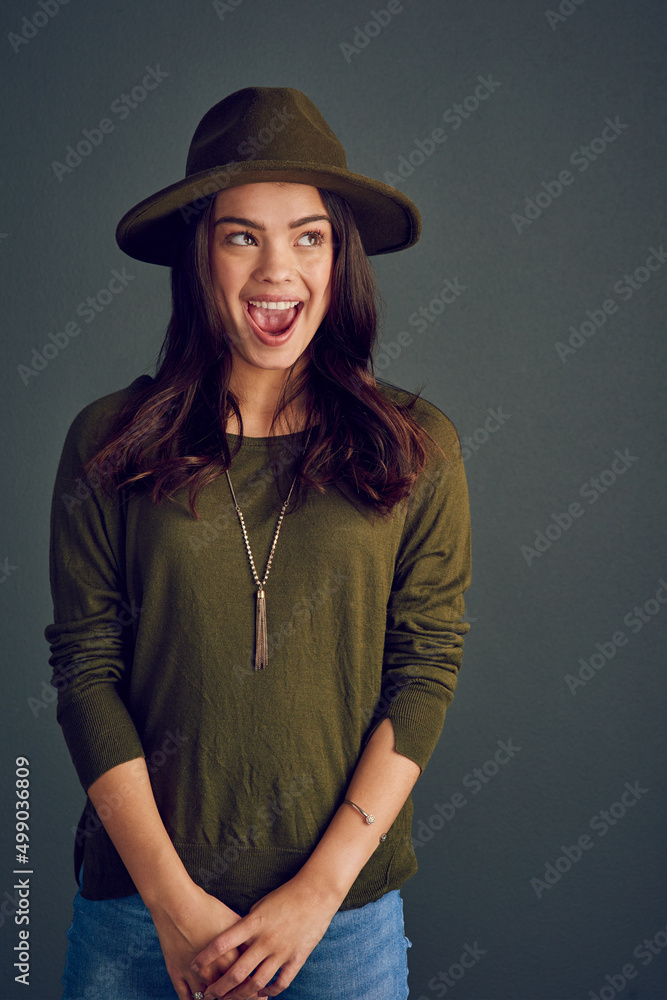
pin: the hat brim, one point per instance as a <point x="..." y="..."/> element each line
<point x="386" y="218"/>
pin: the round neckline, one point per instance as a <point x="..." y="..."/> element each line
<point x="258" y="442"/>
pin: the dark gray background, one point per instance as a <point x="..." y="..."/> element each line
<point x="493" y="347"/>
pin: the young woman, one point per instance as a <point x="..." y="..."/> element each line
<point x="258" y="560"/>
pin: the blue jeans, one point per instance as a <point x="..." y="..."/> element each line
<point x="114" y="954"/>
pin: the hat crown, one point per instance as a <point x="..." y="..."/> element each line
<point x="276" y="124"/>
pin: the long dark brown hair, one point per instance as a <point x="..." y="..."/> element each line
<point x="171" y="432"/>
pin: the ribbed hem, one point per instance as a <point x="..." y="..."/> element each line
<point x="240" y="876"/>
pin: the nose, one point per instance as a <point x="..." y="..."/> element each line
<point x="275" y="264"/>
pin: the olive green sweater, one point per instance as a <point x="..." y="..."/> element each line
<point x="152" y="648"/>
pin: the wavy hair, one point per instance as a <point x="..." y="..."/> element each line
<point x="170" y="434"/>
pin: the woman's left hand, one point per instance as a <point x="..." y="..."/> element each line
<point x="279" y="932"/>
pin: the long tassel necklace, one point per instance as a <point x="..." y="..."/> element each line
<point x="261" y="638"/>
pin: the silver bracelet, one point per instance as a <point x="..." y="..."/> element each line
<point x="369" y="817"/>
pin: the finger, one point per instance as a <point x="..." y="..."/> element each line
<point x="266" y="973"/>
<point x="242" y="993"/>
<point x="258" y="980"/>
<point x="242" y="979"/>
<point x="285" y="976"/>
<point x="185" y="991"/>
<point x="220" y="945"/>
<point x="197" y="991"/>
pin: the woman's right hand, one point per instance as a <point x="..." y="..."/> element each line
<point x="185" y="916"/>
<point x="185" y="930"/>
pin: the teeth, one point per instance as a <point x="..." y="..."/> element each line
<point x="274" y="305"/>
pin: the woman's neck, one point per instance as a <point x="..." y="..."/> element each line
<point x="257" y="424"/>
<point x="258" y="399"/>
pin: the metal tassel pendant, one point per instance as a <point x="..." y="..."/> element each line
<point x="261" y="639"/>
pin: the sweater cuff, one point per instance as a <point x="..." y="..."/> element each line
<point x="99" y="733"/>
<point x="417" y="714"/>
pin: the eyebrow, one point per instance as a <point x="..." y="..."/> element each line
<point x="236" y="221"/>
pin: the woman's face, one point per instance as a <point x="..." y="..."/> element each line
<point x="271" y="257"/>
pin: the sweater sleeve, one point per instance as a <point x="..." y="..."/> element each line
<point x="90" y="640"/>
<point x="425" y="632"/>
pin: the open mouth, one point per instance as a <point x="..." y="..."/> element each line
<point x="273" y="318"/>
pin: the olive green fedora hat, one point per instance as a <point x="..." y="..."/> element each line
<point x="261" y="134"/>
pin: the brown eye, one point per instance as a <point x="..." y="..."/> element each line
<point x="316" y="239"/>
<point x="232" y="238"/>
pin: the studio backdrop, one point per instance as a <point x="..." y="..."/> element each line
<point x="531" y="312"/>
